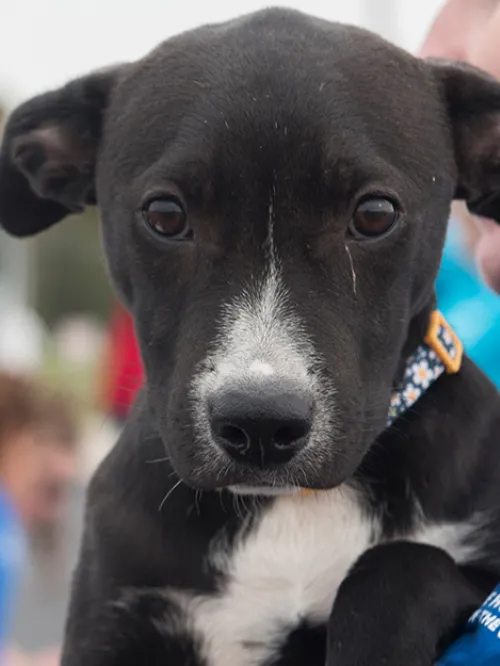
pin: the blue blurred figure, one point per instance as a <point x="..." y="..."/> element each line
<point x="38" y="439"/>
<point x="11" y="558"/>
<point x="468" y="304"/>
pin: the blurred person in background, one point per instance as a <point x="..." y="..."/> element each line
<point x="12" y="546"/>
<point x="38" y="436"/>
<point x="469" y="30"/>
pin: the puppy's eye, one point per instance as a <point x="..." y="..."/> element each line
<point x="167" y="218"/>
<point x="373" y="217"/>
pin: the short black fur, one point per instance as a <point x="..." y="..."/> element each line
<point x="281" y="120"/>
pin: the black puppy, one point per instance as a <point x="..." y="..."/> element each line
<point x="274" y="194"/>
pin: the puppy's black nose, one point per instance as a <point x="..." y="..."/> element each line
<point x="261" y="425"/>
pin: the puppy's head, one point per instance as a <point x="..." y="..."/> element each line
<point x="274" y="194"/>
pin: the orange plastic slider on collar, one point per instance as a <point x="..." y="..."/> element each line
<point x="439" y="330"/>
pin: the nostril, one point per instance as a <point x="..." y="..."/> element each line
<point x="261" y="424"/>
<point x="290" y="434"/>
<point x="235" y="436"/>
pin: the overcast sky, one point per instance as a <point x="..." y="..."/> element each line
<point x="43" y="43"/>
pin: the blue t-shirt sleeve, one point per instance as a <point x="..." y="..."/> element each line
<point x="11" y="558"/>
<point x="5" y="600"/>
<point x="480" y="643"/>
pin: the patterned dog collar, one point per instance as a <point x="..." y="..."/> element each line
<point x="440" y="352"/>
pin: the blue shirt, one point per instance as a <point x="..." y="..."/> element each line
<point x="469" y="305"/>
<point x="480" y="643"/>
<point x="11" y="559"/>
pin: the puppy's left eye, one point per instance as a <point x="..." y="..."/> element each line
<point x="373" y="217"/>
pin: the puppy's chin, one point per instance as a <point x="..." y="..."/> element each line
<point x="319" y="466"/>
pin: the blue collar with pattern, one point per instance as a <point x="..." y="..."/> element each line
<point x="440" y="352"/>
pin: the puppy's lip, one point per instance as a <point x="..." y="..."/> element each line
<point x="255" y="485"/>
<point x="242" y="489"/>
<point x="288" y="478"/>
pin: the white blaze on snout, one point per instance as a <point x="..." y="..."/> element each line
<point x="260" y="335"/>
<point x="261" y="368"/>
<point x="261" y="338"/>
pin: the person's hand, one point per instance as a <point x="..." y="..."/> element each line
<point x="469" y="30"/>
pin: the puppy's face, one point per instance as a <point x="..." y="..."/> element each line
<point x="274" y="195"/>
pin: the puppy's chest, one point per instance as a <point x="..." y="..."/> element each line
<point x="282" y="574"/>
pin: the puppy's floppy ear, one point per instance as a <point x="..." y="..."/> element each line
<point x="473" y="103"/>
<point x="48" y="154"/>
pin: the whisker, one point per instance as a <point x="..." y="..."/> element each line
<point x="237" y="506"/>
<point x="168" y="494"/>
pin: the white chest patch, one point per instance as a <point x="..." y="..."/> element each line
<point x="288" y="568"/>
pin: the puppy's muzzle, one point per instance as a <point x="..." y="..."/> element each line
<point x="261" y="424"/>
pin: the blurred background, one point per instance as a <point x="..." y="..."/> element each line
<point x="68" y="362"/>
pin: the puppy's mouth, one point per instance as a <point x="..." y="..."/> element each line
<point x="280" y="441"/>
<point x="266" y="436"/>
<point x="308" y="472"/>
<point x="312" y="465"/>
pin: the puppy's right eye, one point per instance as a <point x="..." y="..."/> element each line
<point x="166" y="217"/>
